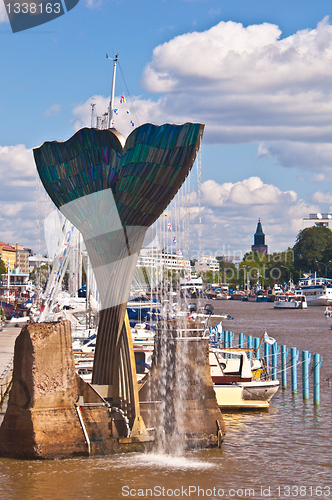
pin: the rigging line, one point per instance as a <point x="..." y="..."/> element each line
<point x="128" y="93"/>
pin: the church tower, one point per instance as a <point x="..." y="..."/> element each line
<point x="259" y="240"/>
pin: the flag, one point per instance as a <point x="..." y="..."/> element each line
<point x="169" y="227"/>
<point x="122" y="99"/>
<point x="132" y="123"/>
<point x="179" y="252"/>
<point x="165" y="214"/>
<point x="267" y="339"/>
<point x="174" y="239"/>
<point x="116" y="111"/>
<point x="128" y="112"/>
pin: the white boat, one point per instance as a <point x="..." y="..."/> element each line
<point x="328" y="315"/>
<point x="239" y="382"/>
<point x="290" y="301"/>
<point x="318" y="291"/>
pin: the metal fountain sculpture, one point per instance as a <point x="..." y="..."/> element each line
<point x="112" y="190"/>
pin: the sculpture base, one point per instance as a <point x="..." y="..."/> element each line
<point x="52" y="412"/>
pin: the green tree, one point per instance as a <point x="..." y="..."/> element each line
<point x="3" y="268"/>
<point x="312" y="251"/>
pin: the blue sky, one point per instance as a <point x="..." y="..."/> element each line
<point x="257" y="73"/>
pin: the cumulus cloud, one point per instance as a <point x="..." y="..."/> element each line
<point x="246" y="83"/>
<point x="230" y="212"/>
<point x="18" y="196"/>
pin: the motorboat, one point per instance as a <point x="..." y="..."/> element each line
<point x="239" y="382"/>
<point x="318" y="291"/>
<point x="290" y="301"/>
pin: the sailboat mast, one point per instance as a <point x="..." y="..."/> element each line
<point x="110" y="110"/>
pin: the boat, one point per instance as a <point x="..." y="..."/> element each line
<point x="290" y="301"/>
<point x="318" y="291"/>
<point x="191" y="287"/>
<point x="328" y="315"/>
<point x="240" y="383"/>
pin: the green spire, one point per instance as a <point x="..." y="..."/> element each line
<point x="259" y="237"/>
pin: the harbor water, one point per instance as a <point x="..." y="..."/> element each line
<point x="283" y="452"/>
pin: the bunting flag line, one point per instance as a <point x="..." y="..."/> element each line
<point x="174" y="239"/>
<point x="169" y="227"/>
<point x="122" y="99"/>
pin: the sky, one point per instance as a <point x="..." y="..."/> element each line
<point x="257" y="73"/>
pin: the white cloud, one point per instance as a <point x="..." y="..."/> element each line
<point x="3" y="13"/>
<point x="322" y="197"/>
<point x="18" y="196"/>
<point x="246" y="83"/>
<point x="230" y="212"/>
<point x="250" y="191"/>
<point x="52" y="110"/>
<point x="140" y="111"/>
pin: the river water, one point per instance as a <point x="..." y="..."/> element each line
<point x="285" y="452"/>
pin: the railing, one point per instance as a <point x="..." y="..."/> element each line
<point x="6" y="380"/>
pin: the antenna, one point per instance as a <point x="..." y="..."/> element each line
<point x="110" y="108"/>
<point x="93" y="105"/>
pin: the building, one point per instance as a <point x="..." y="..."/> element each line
<point x="207" y="263"/>
<point x="8" y="255"/>
<point x="154" y="258"/>
<point x="259" y="240"/>
<point x="318" y="220"/>
<point x="22" y="259"/>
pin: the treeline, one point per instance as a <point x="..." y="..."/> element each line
<point x="311" y="253"/>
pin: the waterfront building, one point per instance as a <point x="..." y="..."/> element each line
<point x="318" y="220"/>
<point x="259" y="240"/>
<point x="207" y="263"/>
<point x="153" y="258"/>
<point x="8" y="255"/>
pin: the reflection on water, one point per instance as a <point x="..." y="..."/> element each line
<point x="288" y="445"/>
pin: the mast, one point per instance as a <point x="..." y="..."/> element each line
<point x="110" y="109"/>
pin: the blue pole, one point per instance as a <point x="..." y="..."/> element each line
<point x="266" y="356"/>
<point x="256" y="345"/>
<point x="230" y="340"/>
<point x="294" y="358"/>
<point x="249" y="344"/>
<point x="316" y="371"/>
<point x="284" y="354"/>
<point x="225" y="339"/>
<point x="241" y="340"/>
<point x="306" y="357"/>
<point x="275" y="352"/>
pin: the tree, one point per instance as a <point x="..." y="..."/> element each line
<point x="312" y="250"/>
<point x="3" y="268"/>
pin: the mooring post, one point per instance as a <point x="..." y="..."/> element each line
<point x="275" y="352"/>
<point x="225" y="339"/>
<point x="284" y="354"/>
<point x="266" y="355"/>
<point x="249" y="345"/>
<point x="316" y="375"/>
<point x="294" y="358"/>
<point x="241" y="340"/>
<point x="306" y="358"/>
<point x="230" y="340"/>
<point x="257" y="342"/>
